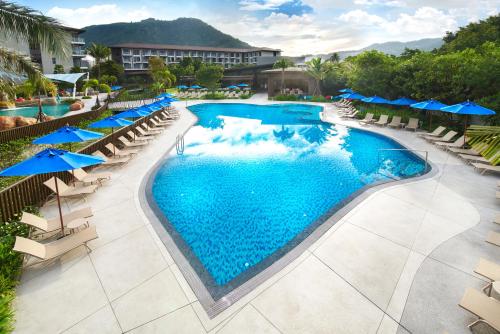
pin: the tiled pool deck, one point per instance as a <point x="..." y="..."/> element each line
<point x="398" y="262"/>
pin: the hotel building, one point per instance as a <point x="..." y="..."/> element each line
<point x="134" y="56"/>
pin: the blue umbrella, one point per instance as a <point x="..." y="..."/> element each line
<point x="346" y="90"/>
<point x="402" y="101"/>
<point x="133" y="113"/>
<point x="375" y="99"/>
<point x="170" y="99"/>
<point x="182" y="87"/>
<point x="352" y="96"/>
<point x="242" y="85"/>
<point x="163" y="95"/>
<point x="429" y="105"/>
<point x="52" y="160"/>
<point x="232" y="87"/>
<point x="195" y="87"/>
<point x="468" y="108"/>
<point x="111" y="122"/>
<point x="115" y="88"/>
<point x="68" y="134"/>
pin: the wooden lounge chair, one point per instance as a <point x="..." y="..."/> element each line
<point x="395" y="122"/>
<point x="54" y="224"/>
<point x="111" y="161"/>
<point x="148" y="129"/>
<point x="139" y="138"/>
<point x="121" y="153"/>
<point x="128" y="143"/>
<point x="412" y="124"/>
<point x="85" y="177"/>
<point x="353" y="115"/>
<point x="446" y="138"/>
<point x="67" y="191"/>
<point x="485" y="168"/>
<point x="159" y="125"/>
<point x="493" y="238"/>
<point x="482" y="306"/>
<point x="147" y="134"/>
<point x="57" y="248"/>
<point x="497" y="219"/>
<point x="161" y="121"/>
<point x="477" y="158"/>
<point x="436" y="133"/>
<point x="457" y="143"/>
<point x="490" y="270"/>
<point x="368" y="119"/>
<point x="382" y="121"/>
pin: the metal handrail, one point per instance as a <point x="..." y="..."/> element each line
<point x="407" y="149"/>
<point x="179" y="144"/>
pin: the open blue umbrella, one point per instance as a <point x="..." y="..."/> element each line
<point x="111" y="122"/>
<point x="352" y="96"/>
<point x="163" y="95"/>
<point x="68" y="134"/>
<point x="429" y="105"/>
<point x="402" y="101"/>
<point x="375" y="99"/>
<point x="52" y="160"/>
<point x="242" y="85"/>
<point x="232" y="87"/>
<point x="346" y="90"/>
<point x="195" y="87"/>
<point x="170" y="99"/>
<point x="133" y="113"/>
<point x="468" y="108"/>
<point x="182" y="87"/>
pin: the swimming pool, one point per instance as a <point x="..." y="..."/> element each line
<point x="254" y="181"/>
<point x="57" y="110"/>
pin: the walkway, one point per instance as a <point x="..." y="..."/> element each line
<point x="380" y="266"/>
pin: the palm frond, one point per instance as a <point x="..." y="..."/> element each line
<point x="21" y="22"/>
<point x="19" y="64"/>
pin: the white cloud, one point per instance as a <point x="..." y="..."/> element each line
<point x="359" y="16"/>
<point x="251" y="5"/>
<point x="387" y="3"/>
<point x="97" y="14"/>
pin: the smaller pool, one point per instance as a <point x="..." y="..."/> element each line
<point x="57" y="110"/>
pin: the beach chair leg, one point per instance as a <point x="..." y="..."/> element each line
<point x="487" y="289"/>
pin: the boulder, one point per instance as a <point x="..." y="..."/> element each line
<point x="24" y="121"/>
<point x="7" y="122"/>
<point x="75" y="106"/>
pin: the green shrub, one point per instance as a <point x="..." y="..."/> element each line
<point x="86" y="97"/>
<point x="103" y="88"/>
<point x="321" y="99"/>
<point x="286" y="98"/>
<point x="214" y="96"/>
<point x="245" y="96"/>
<point x="69" y="101"/>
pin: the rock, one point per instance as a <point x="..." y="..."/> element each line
<point x="23" y="121"/>
<point x="49" y="118"/>
<point x="75" y="106"/>
<point x="7" y="122"/>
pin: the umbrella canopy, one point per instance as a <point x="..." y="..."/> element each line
<point x="68" y="134"/>
<point x="375" y="99"/>
<point x="153" y="107"/>
<point x="182" y="87"/>
<point x="163" y="95"/>
<point x="242" y="85"/>
<point x="111" y="122"/>
<point x="468" y="108"/>
<point x="133" y="113"/>
<point x="170" y="99"/>
<point x="402" y="101"/>
<point x="232" y="87"/>
<point x="195" y="87"/>
<point x="352" y="96"/>
<point x="429" y="105"/>
<point x="346" y="90"/>
<point x="52" y="160"/>
<point x="163" y="103"/>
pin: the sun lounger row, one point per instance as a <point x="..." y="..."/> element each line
<point x="413" y="123"/>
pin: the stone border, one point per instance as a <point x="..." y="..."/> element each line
<point x="216" y="299"/>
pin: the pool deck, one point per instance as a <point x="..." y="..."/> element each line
<point x="398" y="262"/>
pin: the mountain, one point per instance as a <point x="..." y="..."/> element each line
<point x="393" y="48"/>
<point x="182" y="31"/>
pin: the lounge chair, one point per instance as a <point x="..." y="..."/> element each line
<point x="57" y="248"/>
<point x="493" y="238"/>
<point x="477" y="158"/>
<point x="482" y="306"/>
<point x="497" y="219"/>
<point x="395" y="122"/>
<point x="457" y="143"/>
<point x="128" y="143"/>
<point x="490" y="270"/>
<point x="446" y="138"/>
<point x="159" y="125"/>
<point x="412" y="124"/>
<point x="149" y="129"/>
<point x="368" y="119"/>
<point x="145" y="133"/>
<point x="113" y="161"/>
<point x="436" y="133"/>
<point x="382" y="121"/>
<point x="85" y="177"/>
<point x="67" y="191"/>
<point x="485" y="168"/>
<point x="121" y="153"/>
<point x="161" y="121"/>
<point x="54" y="224"/>
<point x="139" y="138"/>
<point x="353" y="115"/>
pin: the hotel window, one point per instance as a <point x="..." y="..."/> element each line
<point x="137" y="52"/>
<point x="127" y="66"/>
<point x="126" y="51"/>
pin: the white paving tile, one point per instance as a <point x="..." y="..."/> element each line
<point x="248" y="321"/>
<point x="369" y="262"/>
<point x="182" y="321"/>
<point x="102" y="321"/>
<point x="387" y="326"/>
<point x="313" y="299"/>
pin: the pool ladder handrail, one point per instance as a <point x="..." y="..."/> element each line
<point x="410" y="150"/>
<point x="179" y="144"/>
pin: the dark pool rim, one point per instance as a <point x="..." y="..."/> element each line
<point x="216" y="299"/>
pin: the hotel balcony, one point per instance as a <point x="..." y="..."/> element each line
<point x="77" y="40"/>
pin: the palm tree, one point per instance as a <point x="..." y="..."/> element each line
<point x="319" y="69"/>
<point x="335" y="58"/>
<point x="283" y="64"/>
<point x="99" y="52"/>
<point x="26" y="24"/>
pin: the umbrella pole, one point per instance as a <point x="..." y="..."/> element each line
<point x="113" y="139"/>
<point x="430" y="120"/>
<point x="59" y="206"/>
<point x="465" y="131"/>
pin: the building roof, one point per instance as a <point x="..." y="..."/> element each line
<point x="71" y="29"/>
<point x="188" y="47"/>
<point x="288" y="69"/>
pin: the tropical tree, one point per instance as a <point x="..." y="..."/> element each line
<point x="58" y="69"/>
<point x="283" y="64"/>
<point x="99" y="52"/>
<point x="335" y="58"/>
<point x="26" y="24"/>
<point x="319" y="69"/>
<point x="160" y="73"/>
<point x="210" y="75"/>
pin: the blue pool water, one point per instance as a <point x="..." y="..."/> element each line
<point x="253" y="178"/>
<point x="57" y="110"/>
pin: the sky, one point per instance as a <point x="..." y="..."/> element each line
<point x="297" y="27"/>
